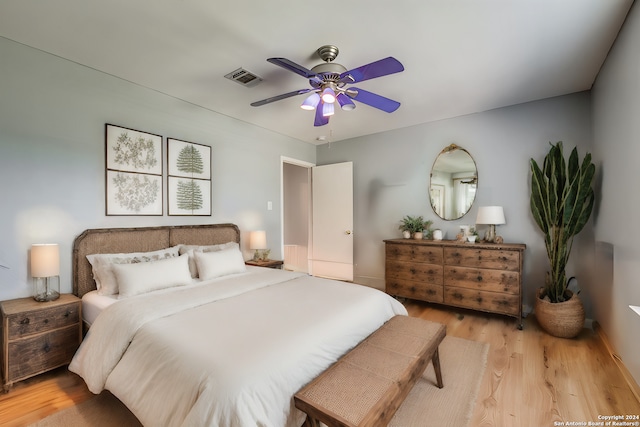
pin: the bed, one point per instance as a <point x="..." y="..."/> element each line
<point x="229" y="347"/>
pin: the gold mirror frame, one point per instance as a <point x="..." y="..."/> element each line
<point x="453" y="183"/>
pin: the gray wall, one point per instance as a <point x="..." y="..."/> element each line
<point x="391" y="176"/>
<point x="616" y="130"/>
<point x="52" y="124"/>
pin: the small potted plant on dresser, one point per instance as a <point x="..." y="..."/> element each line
<point x="416" y="227"/>
<point x="561" y="203"/>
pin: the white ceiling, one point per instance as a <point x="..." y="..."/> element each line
<point x="460" y="56"/>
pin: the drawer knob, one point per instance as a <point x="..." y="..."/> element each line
<point x="25" y="321"/>
<point x="46" y="321"/>
<point x="479" y="278"/>
<point x="46" y="348"/>
<point x="67" y="313"/>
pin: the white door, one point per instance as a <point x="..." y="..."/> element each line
<point x="332" y="228"/>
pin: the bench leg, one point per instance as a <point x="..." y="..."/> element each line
<point x="436" y="367"/>
<point x="311" y="422"/>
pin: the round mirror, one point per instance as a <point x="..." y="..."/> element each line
<point x="454" y="181"/>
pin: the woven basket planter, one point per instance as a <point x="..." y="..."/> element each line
<point x="561" y="319"/>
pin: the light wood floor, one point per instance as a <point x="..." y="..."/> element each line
<point x="531" y="379"/>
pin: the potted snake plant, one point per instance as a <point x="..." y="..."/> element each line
<point x="561" y="203"/>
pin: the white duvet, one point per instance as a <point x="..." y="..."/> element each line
<point x="228" y="352"/>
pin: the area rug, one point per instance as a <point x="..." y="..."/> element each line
<point x="462" y="362"/>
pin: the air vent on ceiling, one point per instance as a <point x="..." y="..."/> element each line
<point x="244" y="77"/>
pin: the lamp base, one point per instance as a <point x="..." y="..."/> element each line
<point x="51" y="296"/>
<point x="490" y="237"/>
<point x="46" y="288"/>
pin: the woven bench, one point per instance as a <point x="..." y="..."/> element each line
<point x="367" y="385"/>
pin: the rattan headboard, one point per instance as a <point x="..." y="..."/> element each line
<point x="143" y="239"/>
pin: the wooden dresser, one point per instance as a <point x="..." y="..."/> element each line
<point x="38" y="336"/>
<point x="478" y="276"/>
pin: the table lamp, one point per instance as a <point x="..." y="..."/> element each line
<point x="45" y="271"/>
<point x="491" y="215"/>
<point x="257" y="242"/>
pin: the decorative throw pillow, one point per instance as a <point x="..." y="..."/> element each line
<point x="190" y="249"/>
<point x="101" y="265"/>
<point x="136" y="279"/>
<point x="219" y="263"/>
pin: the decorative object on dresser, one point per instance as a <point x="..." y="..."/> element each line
<point x="492" y="216"/>
<point x="258" y="242"/>
<point x="484" y="277"/>
<point x="416" y="227"/>
<point x="45" y="271"/>
<point x="38" y="337"/>
<point x="561" y="203"/>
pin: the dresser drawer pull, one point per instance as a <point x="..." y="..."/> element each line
<point x="46" y="348"/>
<point x="25" y="321"/>
<point x="479" y="278"/>
<point x="46" y="321"/>
<point x="67" y="313"/>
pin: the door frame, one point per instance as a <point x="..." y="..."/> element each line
<point x="308" y="166"/>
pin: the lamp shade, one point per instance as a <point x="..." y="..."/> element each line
<point x="328" y="95"/>
<point x="258" y="240"/>
<point x="345" y="102"/>
<point x="45" y="260"/>
<point x="328" y="109"/>
<point x="311" y="102"/>
<point x="490" y="215"/>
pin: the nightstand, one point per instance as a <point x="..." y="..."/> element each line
<point x="38" y="336"/>
<point x="271" y="263"/>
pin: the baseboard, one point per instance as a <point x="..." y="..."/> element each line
<point x="372" y="282"/>
<point x="633" y="385"/>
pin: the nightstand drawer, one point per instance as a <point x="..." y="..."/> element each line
<point x="42" y="352"/>
<point x="30" y="322"/>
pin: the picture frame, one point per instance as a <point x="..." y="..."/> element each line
<point x="189" y="178"/>
<point x="133" y="172"/>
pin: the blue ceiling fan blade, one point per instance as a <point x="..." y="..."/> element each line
<point x="373" y="100"/>
<point x="320" y="119"/>
<point x="379" y="68"/>
<point x="292" y="66"/>
<point x="279" y="97"/>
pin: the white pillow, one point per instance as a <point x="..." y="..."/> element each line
<point x="101" y="266"/>
<point x="219" y="263"/>
<point x="135" y="279"/>
<point x="190" y="249"/>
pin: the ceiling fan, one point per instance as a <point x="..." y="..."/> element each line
<point x="329" y="84"/>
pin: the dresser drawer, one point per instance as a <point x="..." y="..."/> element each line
<point x="414" y="253"/>
<point x="419" y="272"/>
<point x="485" y="258"/>
<point x="481" y="279"/>
<point x="41" y="352"/>
<point x="30" y="322"/>
<point x="483" y="300"/>
<point x="414" y="290"/>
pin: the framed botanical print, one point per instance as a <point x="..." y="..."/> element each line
<point x="133" y="172"/>
<point x="189" y="178"/>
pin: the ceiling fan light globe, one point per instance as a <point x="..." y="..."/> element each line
<point x="328" y="109"/>
<point x="311" y="102"/>
<point x="345" y="102"/>
<point x="328" y="96"/>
